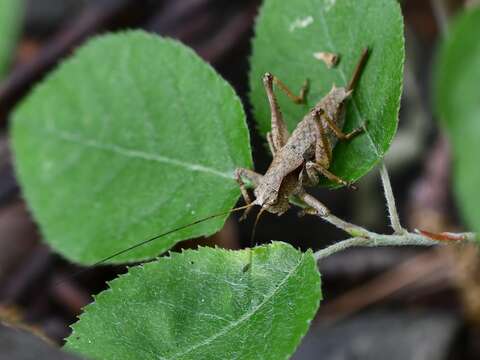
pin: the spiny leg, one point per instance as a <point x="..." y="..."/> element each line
<point x="312" y="168"/>
<point x="323" y="155"/>
<point x="351" y="85"/>
<point x="279" y="134"/>
<point x="297" y="99"/>
<point x="255" y="178"/>
<point x="271" y="144"/>
<point x="358" y="69"/>
<point x="323" y="147"/>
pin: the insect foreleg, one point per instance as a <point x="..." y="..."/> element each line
<point x="323" y="155"/>
<point x="255" y="178"/>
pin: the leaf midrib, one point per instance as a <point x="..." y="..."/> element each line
<point x="344" y="78"/>
<point x="242" y="319"/>
<point x="132" y="153"/>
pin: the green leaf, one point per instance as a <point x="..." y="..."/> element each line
<point x="205" y="304"/>
<point x="457" y="100"/>
<point x="287" y="36"/>
<point x="133" y="136"/>
<point x="10" y="11"/>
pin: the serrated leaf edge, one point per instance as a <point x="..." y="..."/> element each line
<point x="98" y="299"/>
<point x="380" y="153"/>
<point x="175" y="43"/>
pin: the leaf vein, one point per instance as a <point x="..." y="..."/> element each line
<point x="136" y="154"/>
<point x="243" y="318"/>
<point x="344" y="78"/>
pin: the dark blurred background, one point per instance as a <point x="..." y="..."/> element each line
<point x="403" y="303"/>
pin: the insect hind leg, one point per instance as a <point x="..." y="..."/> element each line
<point x="297" y="99"/>
<point x="358" y="69"/>
<point x="313" y="169"/>
<point x="339" y="132"/>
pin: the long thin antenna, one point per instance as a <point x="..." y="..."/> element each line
<point x="156" y="237"/>
<point x="358" y="69"/>
<point x="252" y="238"/>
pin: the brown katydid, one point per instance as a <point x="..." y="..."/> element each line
<point x="299" y="158"/>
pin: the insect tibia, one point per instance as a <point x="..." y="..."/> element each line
<point x="358" y="69"/>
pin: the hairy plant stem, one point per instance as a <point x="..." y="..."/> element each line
<point x="374" y="240"/>
<point x="362" y="237"/>
<point x="390" y="200"/>
<point x="323" y="212"/>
